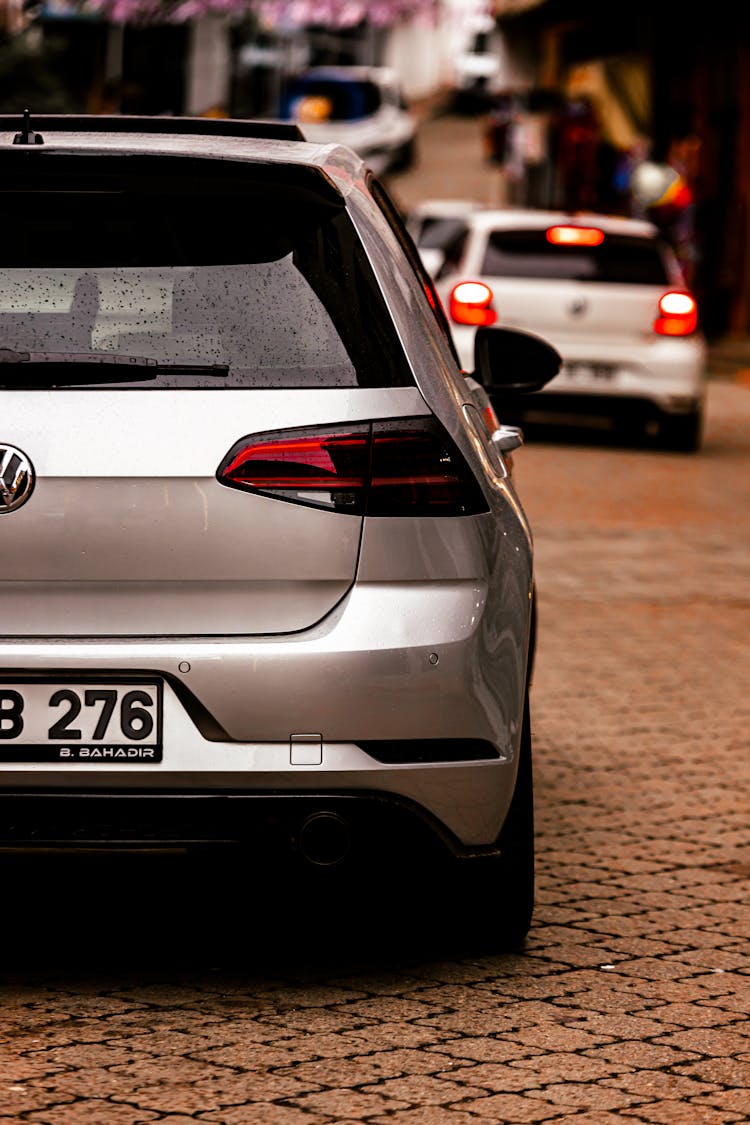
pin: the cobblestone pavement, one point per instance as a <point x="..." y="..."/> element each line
<point x="131" y="993"/>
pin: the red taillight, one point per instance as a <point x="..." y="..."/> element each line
<point x="326" y="468"/>
<point x="575" y="236"/>
<point x="471" y="303"/>
<point x="678" y="315"/>
<point x="387" y="468"/>
<point x="417" y="470"/>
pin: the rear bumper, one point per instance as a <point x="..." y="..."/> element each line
<point x="629" y="410"/>
<point x="291" y="830"/>
<point x="437" y="667"/>
<point x="465" y="802"/>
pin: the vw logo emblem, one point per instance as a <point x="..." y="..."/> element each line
<point x="577" y="307"/>
<point x="16" y="478"/>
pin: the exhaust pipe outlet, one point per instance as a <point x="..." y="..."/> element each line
<point x="324" y="839"/>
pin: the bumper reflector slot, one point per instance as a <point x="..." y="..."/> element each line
<point x="402" y="751"/>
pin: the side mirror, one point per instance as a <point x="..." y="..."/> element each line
<point x="506" y="359"/>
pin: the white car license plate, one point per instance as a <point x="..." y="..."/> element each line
<point x="589" y="372"/>
<point x="50" y="721"/>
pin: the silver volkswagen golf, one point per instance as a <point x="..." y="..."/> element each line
<point x="265" y="579"/>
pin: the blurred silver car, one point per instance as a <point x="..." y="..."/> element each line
<point x="266" y="581"/>
<point x="609" y="294"/>
<point x="362" y="107"/>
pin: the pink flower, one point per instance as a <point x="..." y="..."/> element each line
<point x="283" y="14"/>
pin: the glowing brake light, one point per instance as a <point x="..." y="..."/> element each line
<point x="471" y="303"/>
<point x="678" y="315"/>
<point x="575" y="236"/>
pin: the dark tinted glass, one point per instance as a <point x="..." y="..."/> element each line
<point x="443" y="234"/>
<point x="618" y="259"/>
<point x="395" y="219"/>
<point x="266" y="285"/>
<point x="348" y="100"/>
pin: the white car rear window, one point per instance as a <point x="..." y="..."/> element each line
<point x="619" y="259"/>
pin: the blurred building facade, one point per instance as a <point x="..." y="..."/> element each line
<point x="230" y="56"/>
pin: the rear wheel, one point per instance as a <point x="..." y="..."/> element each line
<point x="682" y="433"/>
<point x="494" y="896"/>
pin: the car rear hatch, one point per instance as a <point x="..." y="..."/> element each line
<point x="152" y="321"/>
<point x="128" y="531"/>
<point x="580" y="282"/>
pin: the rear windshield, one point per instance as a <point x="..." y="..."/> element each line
<point x="618" y="259"/>
<point x="184" y="280"/>
<point x="330" y="99"/>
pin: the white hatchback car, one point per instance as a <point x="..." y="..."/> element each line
<point x="609" y="294"/>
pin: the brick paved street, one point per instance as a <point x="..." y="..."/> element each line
<point x="131" y="993"/>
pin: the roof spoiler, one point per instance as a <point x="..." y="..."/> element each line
<point x="123" y="123"/>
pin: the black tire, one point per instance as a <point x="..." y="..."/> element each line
<point x="494" y="896"/>
<point x="682" y="433"/>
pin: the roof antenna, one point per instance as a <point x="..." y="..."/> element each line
<point x="27" y="136"/>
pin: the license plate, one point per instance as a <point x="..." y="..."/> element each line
<point x="46" y="721"/>
<point x="588" y="372"/>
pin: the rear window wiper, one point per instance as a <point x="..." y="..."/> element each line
<point x="20" y="368"/>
